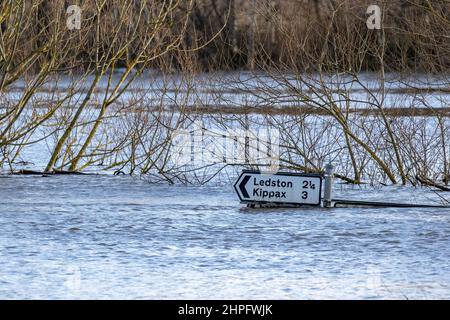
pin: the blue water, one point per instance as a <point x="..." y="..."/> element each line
<point x="101" y="237"/>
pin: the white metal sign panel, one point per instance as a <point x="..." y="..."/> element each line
<point x="283" y="187"/>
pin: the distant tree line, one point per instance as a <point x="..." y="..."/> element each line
<point x="255" y="33"/>
<point x="261" y="32"/>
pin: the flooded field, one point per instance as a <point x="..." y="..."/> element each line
<point x="124" y="126"/>
<point x="121" y="237"/>
<point x="109" y="236"/>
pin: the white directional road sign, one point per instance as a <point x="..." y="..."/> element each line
<point x="283" y="187"/>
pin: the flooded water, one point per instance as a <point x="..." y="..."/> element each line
<point x="121" y="237"/>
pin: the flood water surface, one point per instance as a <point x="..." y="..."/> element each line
<point x="82" y="237"/>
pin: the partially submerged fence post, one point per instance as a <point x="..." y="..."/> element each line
<point x="328" y="190"/>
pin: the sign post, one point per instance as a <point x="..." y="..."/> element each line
<point x="328" y="192"/>
<point x="279" y="188"/>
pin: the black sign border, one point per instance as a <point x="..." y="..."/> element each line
<point x="308" y="175"/>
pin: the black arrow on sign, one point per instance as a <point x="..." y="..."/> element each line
<point x="242" y="186"/>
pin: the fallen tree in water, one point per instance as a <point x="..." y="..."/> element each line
<point x="428" y="182"/>
<point x="53" y="172"/>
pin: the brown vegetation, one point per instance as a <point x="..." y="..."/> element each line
<point x="313" y="52"/>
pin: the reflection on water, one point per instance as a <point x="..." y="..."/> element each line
<point x="120" y="237"/>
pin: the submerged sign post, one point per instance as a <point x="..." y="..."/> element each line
<point x="285" y="188"/>
<point x="279" y="188"/>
